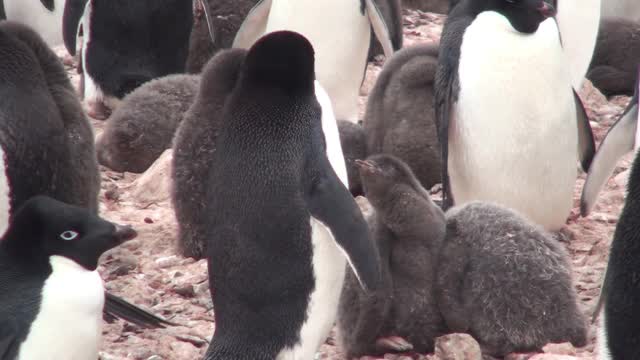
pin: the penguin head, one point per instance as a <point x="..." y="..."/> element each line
<point x="525" y="16"/>
<point x="382" y="172"/>
<point x="44" y="227"/>
<point x="284" y="60"/>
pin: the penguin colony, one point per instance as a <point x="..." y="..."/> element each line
<point x="268" y="154"/>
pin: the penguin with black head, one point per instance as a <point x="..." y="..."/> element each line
<point x="282" y="225"/>
<point x="51" y="295"/>
<point x="510" y="124"/>
<point x="46" y="141"/>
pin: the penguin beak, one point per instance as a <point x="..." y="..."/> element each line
<point x="124" y="233"/>
<point x="547" y="10"/>
<point x="367" y="166"/>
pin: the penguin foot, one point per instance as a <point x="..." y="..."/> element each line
<point x="98" y="110"/>
<point x="393" y="343"/>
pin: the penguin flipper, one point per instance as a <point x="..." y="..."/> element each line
<point x="73" y="11"/>
<point x="586" y="144"/>
<point x="601" y="298"/>
<point x="447" y="88"/>
<point x="330" y="202"/>
<point x="120" y="308"/>
<point x="253" y="26"/>
<point x="619" y="140"/>
<point x="8" y="342"/>
<point x="380" y="28"/>
<point x="48" y="4"/>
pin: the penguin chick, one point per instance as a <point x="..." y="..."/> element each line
<point x="506" y="282"/>
<point x="51" y="295"/>
<point x="408" y="229"/>
<point x="615" y="58"/>
<point x="400" y="116"/>
<point x="354" y="147"/>
<point x="143" y="126"/>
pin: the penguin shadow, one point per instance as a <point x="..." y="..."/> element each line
<point x="479" y="268"/>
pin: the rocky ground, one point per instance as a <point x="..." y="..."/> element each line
<point x="147" y="271"/>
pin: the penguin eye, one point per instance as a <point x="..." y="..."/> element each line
<point x="69" y="235"/>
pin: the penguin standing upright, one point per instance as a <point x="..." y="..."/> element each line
<point x="51" y="295"/>
<point x="340" y="31"/>
<point x="46" y="141"/>
<point x="281" y="223"/>
<point x="619" y="336"/>
<point x="44" y="16"/>
<point x="509" y="122"/>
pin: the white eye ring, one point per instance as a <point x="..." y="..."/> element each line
<point x="69" y="235"/>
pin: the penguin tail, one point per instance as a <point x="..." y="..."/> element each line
<point x="118" y="308"/>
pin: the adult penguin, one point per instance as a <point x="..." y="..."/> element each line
<point x="340" y="32"/>
<point x="509" y="122"/>
<point x="281" y="224"/>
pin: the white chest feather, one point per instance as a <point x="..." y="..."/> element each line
<point x="602" y="343"/>
<point x="328" y="260"/>
<point x="69" y="324"/>
<point x="513" y="139"/>
<point x="578" y="21"/>
<point x="340" y="36"/>
<point x="5" y="194"/>
<point x="31" y="12"/>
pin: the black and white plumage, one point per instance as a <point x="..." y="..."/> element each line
<point x="51" y="295"/>
<point x="125" y="44"/>
<point x="46" y="141"/>
<point x="340" y="31"/>
<point x="524" y="155"/>
<point x="281" y="223"/>
<point x="619" y="335"/>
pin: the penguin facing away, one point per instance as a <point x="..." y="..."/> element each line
<point x="508" y="156"/>
<point x="408" y="229"/>
<point x="506" y="282"/>
<point x="615" y="59"/>
<point x="619" y="333"/>
<point x="282" y="224"/>
<point x="143" y="126"/>
<point x="400" y="117"/>
<point x="341" y="58"/>
<point x="44" y="16"/>
<point x="622" y="137"/>
<point x="43" y="130"/>
<point x="51" y="295"/>
<point x="125" y="44"/>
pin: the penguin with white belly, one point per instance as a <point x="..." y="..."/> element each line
<point x="51" y="295"/>
<point x="46" y="141"/>
<point x="509" y="123"/>
<point x="340" y="32"/>
<point x="281" y="224"/>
